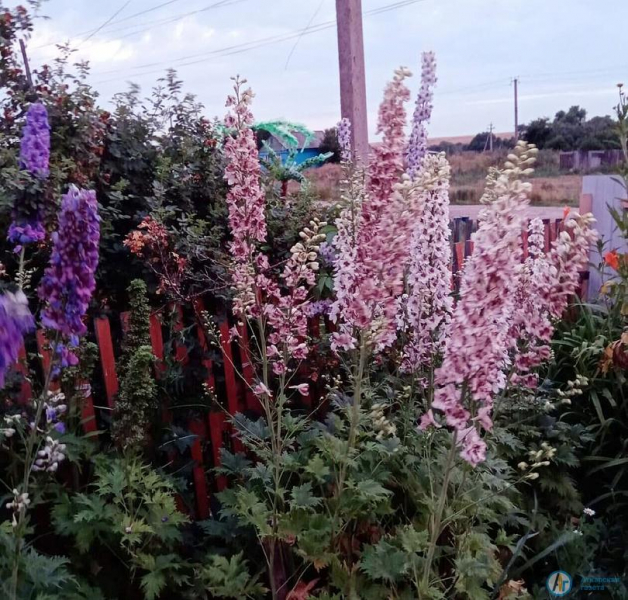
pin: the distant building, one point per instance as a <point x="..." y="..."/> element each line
<point x="310" y="150"/>
<point x="590" y="160"/>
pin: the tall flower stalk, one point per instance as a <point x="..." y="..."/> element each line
<point x="425" y="310"/>
<point x="373" y="229"/>
<point x="503" y="320"/>
<point x="476" y="354"/>
<point x="66" y="289"/>
<point x="276" y="308"/>
<point x="545" y="284"/>
<point x="69" y="281"/>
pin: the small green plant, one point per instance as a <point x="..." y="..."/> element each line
<point x="136" y="402"/>
<point x="129" y="515"/>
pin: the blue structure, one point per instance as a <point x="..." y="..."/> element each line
<point x="310" y="150"/>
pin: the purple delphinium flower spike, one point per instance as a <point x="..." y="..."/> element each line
<point x="15" y="321"/>
<point x="417" y="144"/>
<point x="344" y="139"/>
<point x="27" y="226"/>
<point x="69" y="281"/>
<point x="35" y="145"/>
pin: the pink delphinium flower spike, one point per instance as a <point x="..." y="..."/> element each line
<point x="477" y="350"/>
<point x="285" y="308"/>
<point x="426" y="311"/>
<point x="546" y="283"/>
<point x="417" y="144"/>
<point x="245" y="199"/>
<point x="373" y="233"/>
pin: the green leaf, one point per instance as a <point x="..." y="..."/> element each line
<point x="317" y="468"/>
<point x="383" y="561"/>
<point x="152" y="584"/>
<point x="302" y="497"/>
<point x="372" y="489"/>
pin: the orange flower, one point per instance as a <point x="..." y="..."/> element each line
<point x="566" y="211"/>
<point x="612" y="259"/>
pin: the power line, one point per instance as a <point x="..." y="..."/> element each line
<point x="159" y="23"/>
<point x="253" y="45"/>
<point x="141" y="28"/>
<point x="92" y="32"/>
<point x="111" y="18"/>
<point x="309" y="23"/>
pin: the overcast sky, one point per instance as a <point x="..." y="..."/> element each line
<point x="564" y="52"/>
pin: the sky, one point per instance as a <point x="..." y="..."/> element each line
<point x="563" y="52"/>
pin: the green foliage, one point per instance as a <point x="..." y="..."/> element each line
<point x="136" y="402"/>
<point x="329" y="143"/>
<point x="570" y="130"/>
<point x="229" y="578"/>
<point x="130" y="509"/>
<point x="372" y="537"/>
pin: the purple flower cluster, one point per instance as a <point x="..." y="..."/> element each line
<point x="319" y="307"/>
<point x="417" y="144"/>
<point x="26" y="232"/>
<point x="327" y="254"/>
<point x="15" y="321"/>
<point x="35" y="146"/>
<point x="344" y="139"/>
<point x="27" y="226"/>
<point x="68" y="283"/>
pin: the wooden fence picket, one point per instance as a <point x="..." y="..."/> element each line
<point x="102" y="329"/>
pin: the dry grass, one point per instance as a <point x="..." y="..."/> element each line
<point x="549" y="187"/>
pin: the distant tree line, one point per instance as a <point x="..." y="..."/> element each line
<point x="568" y="130"/>
<point x="571" y="130"/>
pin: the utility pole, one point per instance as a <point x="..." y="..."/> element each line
<point x="516" y="83"/>
<point x="352" y="73"/>
<point x="489" y="139"/>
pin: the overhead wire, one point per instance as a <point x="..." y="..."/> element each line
<point x="248" y="46"/>
<point x="309" y="23"/>
<point x="111" y="22"/>
<point x="111" y="18"/>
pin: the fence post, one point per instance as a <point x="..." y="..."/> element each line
<point x="602" y="192"/>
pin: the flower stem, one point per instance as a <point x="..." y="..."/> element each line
<point x="28" y="468"/>
<point x="353" y="427"/>
<point x="438" y="516"/>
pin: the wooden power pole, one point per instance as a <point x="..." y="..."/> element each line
<point x="516" y="83"/>
<point x="352" y="73"/>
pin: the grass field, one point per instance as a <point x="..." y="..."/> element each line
<point x="549" y="186"/>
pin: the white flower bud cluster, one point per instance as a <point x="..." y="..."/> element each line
<point x="508" y="181"/>
<point x="435" y="171"/>
<point x="19" y="505"/>
<point x="538" y="459"/>
<point x="403" y="72"/>
<point x="50" y="456"/>
<point x="306" y="252"/>
<point x="589" y="512"/>
<point x="574" y="388"/>
<point x="10" y="421"/>
<point x="381" y="424"/>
